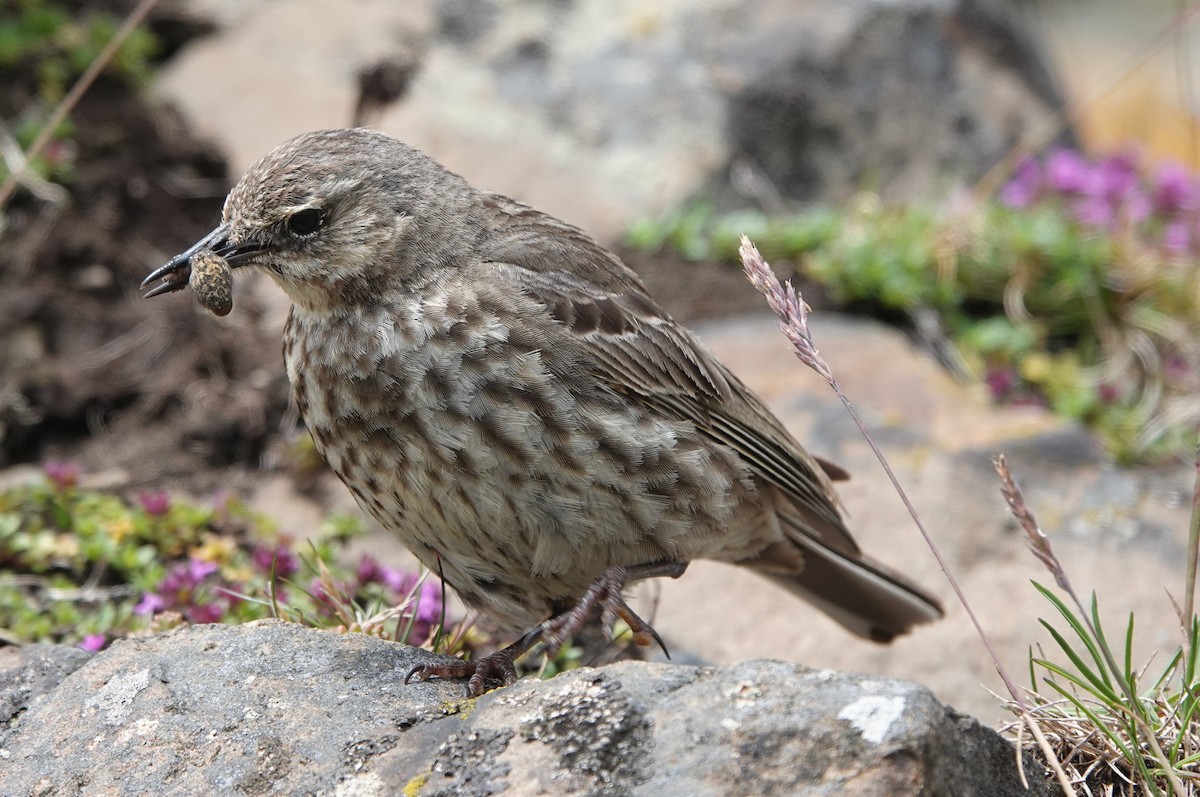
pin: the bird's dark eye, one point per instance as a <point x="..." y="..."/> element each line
<point x="305" y="222"/>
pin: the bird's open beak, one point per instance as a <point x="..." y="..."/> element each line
<point x="176" y="272"/>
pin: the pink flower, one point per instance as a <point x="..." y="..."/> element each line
<point x="205" y="613"/>
<point x="427" y="611"/>
<point x="1024" y="187"/>
<point x="1174" y="190"/>
<point x="369" y="571"/>
<point x="1116" y="177"/>
<point x="63" y="474"/>
<point x="1095" y="211"/>
<point x="280" y="558"/>
<point x="1067" y="171"/>
<point x="151" y="603"/>
<point x="1176" y="237"/>
<point x="93" y="642"/>
<point x="155" y="504"/>
<point x="1000" y="381"/>
<point x="398" y="581"/>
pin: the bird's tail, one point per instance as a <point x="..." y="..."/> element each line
<point x="862" y="595"/>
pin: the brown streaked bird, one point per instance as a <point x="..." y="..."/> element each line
<point x="500" y="392"/>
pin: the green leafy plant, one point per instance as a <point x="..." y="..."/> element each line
<point x="83" y="566"/>
<point x="45" y="47"/>
<point x="1078" y="289"/>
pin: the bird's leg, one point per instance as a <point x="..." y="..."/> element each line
<point x="604" y="592"/>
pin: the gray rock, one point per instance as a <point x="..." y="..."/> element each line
<point x="28" y="673"/>
<point x="283" y="709"/>
<point x="908" y="97"/>
<point x="604" y="111"/>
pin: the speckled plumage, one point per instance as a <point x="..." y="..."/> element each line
<point x="501" y="393"/>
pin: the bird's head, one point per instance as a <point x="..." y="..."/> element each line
<point x="337" y="217"/>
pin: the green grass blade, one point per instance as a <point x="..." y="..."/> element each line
<point x="1081" y="631"/>
<point x="1097" y="685"/>
<point x="1161" y="683"/>
<point x="1094" y="718"/>
<point x="1032" y="673"/>
<point x="1129" y="677"/>
<point x="1193" y="653"/>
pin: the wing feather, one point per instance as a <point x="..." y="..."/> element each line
<point x="638" y="350"/>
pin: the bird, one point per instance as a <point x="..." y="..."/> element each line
<point x="501" y="392"/>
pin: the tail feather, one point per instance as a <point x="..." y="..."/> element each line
<point x="862" y="595"/>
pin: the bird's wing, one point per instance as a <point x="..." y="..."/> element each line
<point x="639" y="351"/>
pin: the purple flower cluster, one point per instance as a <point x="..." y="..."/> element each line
<point x="195" y="590"/>
<point x="279" y="559"/>
<point x="1114" y="193"/>
<point x="425" y="604"/>
<point x="189" y="590"/>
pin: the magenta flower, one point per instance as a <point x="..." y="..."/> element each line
<point x="1025" y="186"/>
<point x="184" y="588"/>
<point x="151" y="603"/>
<point x="1136" y="207"/>
<point x="400" y="582"/>
<point x="1067" y="172"/>
<point x="280" y="558"/>
<point x="1095" y="211"/>
<point x="1116" y="177"/>
<point x="196" y="571"/>
<point x="204" y="613"/>
<point x="155" y="504"/>
<point x="1000" y="381"/>
<point x="1174" y="190"/>
<point x="1177" y="236"/>
<point x="369" y="570"/>
<point x="93" y="642"/>
<point x="61" y="473"/>
<point x="427" y="611"/>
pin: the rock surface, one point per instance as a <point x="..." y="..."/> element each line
<point x="275" y="708"/>
<point x="604" y="111"/>
<point x="28" y="674"/>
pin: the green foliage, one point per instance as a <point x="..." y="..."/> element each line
<point x="84" y="567"/>
<point x="44" y="48"/>
<point x="58" y="46"/>
<point x="1095" y="688"/>
<point x="1101" y="327"/>
<point x="79" y="565"/>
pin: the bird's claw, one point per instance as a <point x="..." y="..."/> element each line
<point x="498" y="666"/>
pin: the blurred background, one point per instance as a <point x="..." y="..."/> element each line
<point x="992" y="205"/>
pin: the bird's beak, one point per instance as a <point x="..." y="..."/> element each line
<point x="176" y="271"/>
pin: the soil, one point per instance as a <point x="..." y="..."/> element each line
<point x="88" y="370"/>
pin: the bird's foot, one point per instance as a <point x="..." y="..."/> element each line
<point x="499" y="666"/>
<point x="605" y="594"/>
